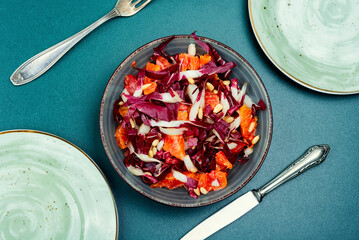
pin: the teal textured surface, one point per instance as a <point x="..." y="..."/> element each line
<point x="65" y="101"/>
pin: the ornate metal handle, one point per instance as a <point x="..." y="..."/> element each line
<point x="40" y="63"/>
<point x="312" y="157"/>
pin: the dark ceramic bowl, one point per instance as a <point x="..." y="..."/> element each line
<point x="239" y="176"/>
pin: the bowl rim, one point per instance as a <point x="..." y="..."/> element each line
<point x="268" y="108"/>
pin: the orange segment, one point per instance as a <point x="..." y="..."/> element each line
<point x="211" y="99"/>
<point x="204" y="59"/>
<point x="149" y="80"/>
<point x="152" y="67"/>
<point x="193" y="63"/>
<point x="189" y="62"/>
<point x="183" y="111"/>
<point x="175" y="145"/>
<point x="130" y="83"/>
<point x="205" y="180"/>
<point x="239" y="147"/>
<point x="221" y="178"/>
<point x="245" y="113"/>
<point x="221" y="159"/>
<point x="150" y="89"/>
<point x="168" y="182"/>
<point x="121" y="137"/>
<point x="184" y="60"/>
<point x="123" y="111"/>
<point x="162" y="62"/>
<point x="182" y="116"/>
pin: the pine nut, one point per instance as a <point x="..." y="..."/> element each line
<point x="200" y="113"/>
<point x="203" y="190"/>
<point x="255" y="139"/>
<point x="196" y="190"/>
<point x="215" y="91"/>
<point x="190" y="80"/>
<point x="150" y="154"/>
<point x="146" y="86"/>
<point x="133" y="123"/>
<point x="229" y="119"/>
<point x="226" y="82"/>
<point x="218" y="108"/>
<point x="191" y="49"/>
<point x="155" y="142"/>
<point x="210" y="87"/>
<point x="154" y="150"/>
<point x="251" y="127"/>
<point x="121" y="103"/>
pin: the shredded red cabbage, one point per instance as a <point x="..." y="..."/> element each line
<point x="174" y="123"/>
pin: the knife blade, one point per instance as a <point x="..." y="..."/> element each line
<point x="312" y="157"/>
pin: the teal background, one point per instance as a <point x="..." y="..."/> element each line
<point x="65" y="101"/>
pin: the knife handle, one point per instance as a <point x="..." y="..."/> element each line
<point x="312" y="157"/>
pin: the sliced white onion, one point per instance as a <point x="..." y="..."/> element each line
<point x="248" y="151"/>
<point x="192" y="92"/>
<point x="202" y="99"/>
<point x="135" y="171"/>
<point x="130" y="147"/>
<point x="160" y="145"/>
<point x="146" y="158"/>
<point x="235" y="124"/>
<point x="232" y="145"/>
<point x="144" y="129"/>
<point x="138" y="92"/>
<point x="172" y="131"/>
<point x="167" y="98"/>
<point x="167" y="124"/>
<point x="194" y="111"/>
<point x="189" y="164"/>
<point x="248" y="101"/>
<point x="210" y="138"/>
<point x="242" y="92"/>
<point x="234" y="89"/>
<point x="179" y="176"/>
<point x="190" y="74"/>
<point x="192" y="49"/>
<point x="124" y="92"/>
<point x="157" y="173"/>
<point x="195" y="107"/>
<point x="215" y="183"/>
<point x="224" y="103"/>
<point x="216" y="133"/>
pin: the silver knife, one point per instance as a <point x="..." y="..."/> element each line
<point x="312" y="157"/>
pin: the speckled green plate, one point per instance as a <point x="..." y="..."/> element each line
<point x="50" y="189"/>
<point x="313" y="42"/>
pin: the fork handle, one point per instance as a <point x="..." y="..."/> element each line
<point x="312" y="157"/>
<point x="43" y="61"/>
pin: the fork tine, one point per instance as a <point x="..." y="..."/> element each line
<point x="136" y="2"/>
<point x="142" y="5"/>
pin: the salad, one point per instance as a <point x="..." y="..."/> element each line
<point x="183" y="122"/>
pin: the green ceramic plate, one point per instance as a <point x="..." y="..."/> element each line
<point x="313" y="42"/>
<point x="50" y="189"/>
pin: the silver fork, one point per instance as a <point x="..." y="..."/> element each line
<point x="43" y="61"/>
